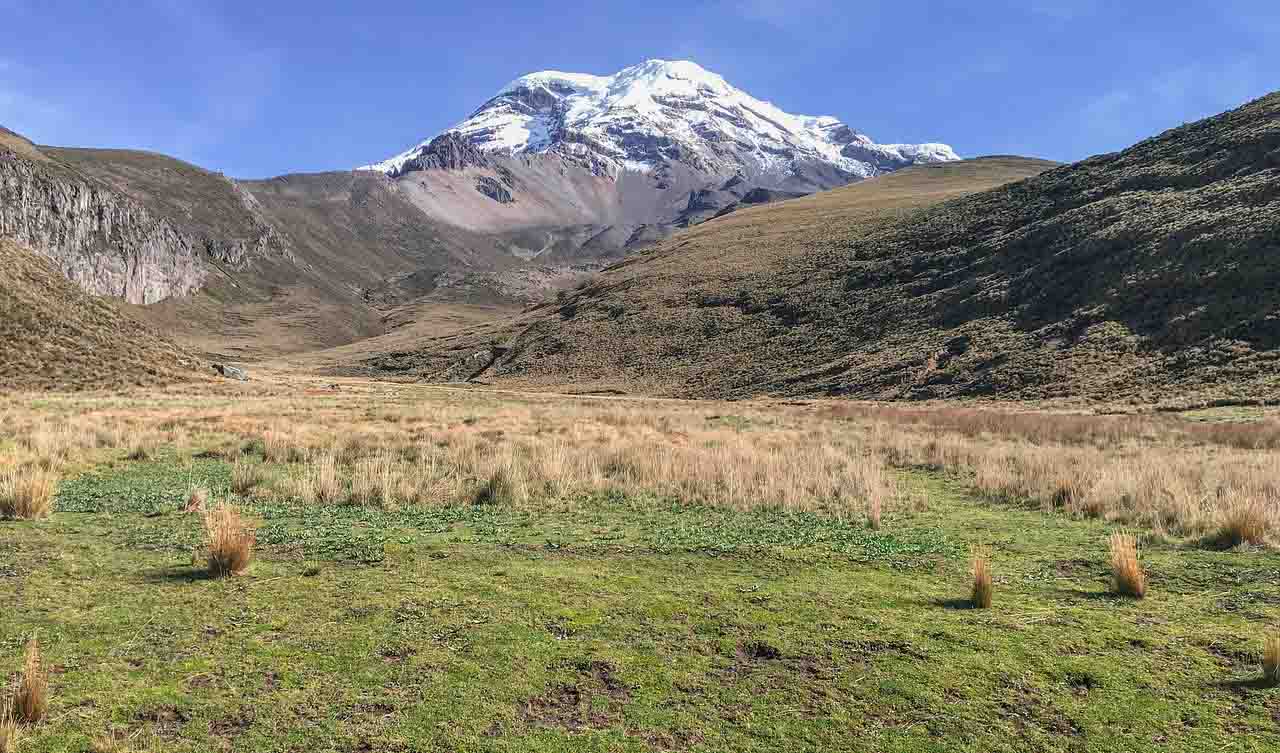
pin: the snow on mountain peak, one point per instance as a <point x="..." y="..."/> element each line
<point x="648" y="116"/>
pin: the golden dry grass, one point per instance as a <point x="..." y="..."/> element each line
<point x="388" y="445"/>
<point x="875" y="510"/>
<point x="31" y="699"/>
<point x="246" y="476"/>
<point x="1127" y="576"/>
<point x="27" y="493"/>
<point x="141" y="448"/>
<point x="9" y="731"/>
<point x="320" y="483"/>
<point x="982" y="591"/>
<point x="197" y="501"/>
<point x="230" y="541"/>
<point x="279" y="446"/>
<point x="1244" y="522"/>
<point x="375" y="481"/>
<point x="1150" y="473"/>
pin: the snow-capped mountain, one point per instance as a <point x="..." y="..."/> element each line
<point x="573" y="167"/>
<point x="652" y="116"/>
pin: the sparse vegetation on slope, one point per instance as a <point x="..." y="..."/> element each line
<point x="55" y="336"/>
<point x="1150" y="274"/>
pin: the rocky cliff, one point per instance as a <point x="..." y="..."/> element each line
<point x="110" y="243"/>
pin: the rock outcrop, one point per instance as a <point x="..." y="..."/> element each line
<point x="111" y="244"/>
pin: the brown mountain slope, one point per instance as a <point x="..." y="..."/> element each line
<point x="747" y="248"/>
<point x="54" y="336"/>
<point x="1145" y="274"/>
<point x="233" y="269"/>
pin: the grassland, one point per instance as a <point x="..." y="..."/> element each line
<point x="442" y="569"/>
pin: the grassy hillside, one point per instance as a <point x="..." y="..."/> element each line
<point x="286" y="265"/>
<point x="1143" y="274"/>
<point x="657" y="301"/>
<point x="54" y="336"/>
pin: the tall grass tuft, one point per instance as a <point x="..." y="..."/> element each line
<point x="505" y="486"/>
<point x="1127" y="577"/>
<point x="8" y="727"/>
<point x="141" y="448"/>
<point x="277" y="447"/>
<point x="197" y="500"/>
<point x="31" y="701"/>
<point x="245" y="476"/>
<point x="27" y="493"/>
<point x="230" y="541"/>
<point x="982" y="589"/>
<point x="324" y="484"/>
<point x="875" y="509"/>
<point x="375" y="480"/>
<point x="1244" y="522"/>
<point x="1271" y="660"/>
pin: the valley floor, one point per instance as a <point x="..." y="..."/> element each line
<point x="442" y="569"/>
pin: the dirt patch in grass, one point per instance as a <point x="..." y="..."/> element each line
<point x="1023" y="706"/>
<point x="758" y="651"/>
<point x="594" y="700"/>
<point x="231" y="726"/>
<point x="168" y="719"/>
<point x="668" y="741"/>
<point x="1229" y="656"/>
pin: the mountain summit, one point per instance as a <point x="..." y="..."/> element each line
<point x="653" y="117"/>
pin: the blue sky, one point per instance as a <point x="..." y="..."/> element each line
<point x="258" y="89"/>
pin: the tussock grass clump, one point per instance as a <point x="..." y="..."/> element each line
<point x="279" y="446"/>
<point x="141" y="448"/>
<point x="31" y="698"/>
<point x="1271" y="660"/>
<point x="505" y="486"/>
<point x="246" y="476"/>
<point x="875" y="510"/>
<point x="982" y="588"/>
<point x="1127" y="577"/>
<point x="1244" y="522"/>
<point x="9" y="731"/>
<point x="375" y="481"/>
<point x="230" y="541"/>
<point x="27" y="493"/>
<point x="197" y="501"/>
<point x="322" y="483"/>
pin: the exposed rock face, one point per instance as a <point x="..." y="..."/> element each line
<point x="493" y="189"/>
<point x="108" y="243"/>
<point x="447" y="152"/>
